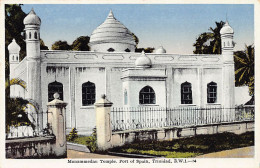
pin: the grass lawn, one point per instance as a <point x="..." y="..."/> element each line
<point x="188" y="147"/>
<point x="80" y="140"/>
<point x="89" y="141"/>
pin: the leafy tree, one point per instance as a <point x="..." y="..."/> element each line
<point x="209" y="42"/>
<point x="43" y="46"/>
<point x="245" y="68"/>
<point x="81" y="44"/>
<point x="61" y="45"/>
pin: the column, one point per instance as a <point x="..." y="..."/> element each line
<point x="57" y="123"/>
<point x="103" y="124"/>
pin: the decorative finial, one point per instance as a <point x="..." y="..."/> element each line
<point x="103" y="96"/>
<point x="110" y="15"/>
<point x="143" y="53"/>
<point x="13" y="40"/>
<point x="32" y="11"/>
<point x="56" y="95"/>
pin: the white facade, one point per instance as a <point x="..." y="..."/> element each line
<point x="124" y="76"/>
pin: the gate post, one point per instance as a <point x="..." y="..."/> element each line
<point x="103" y="124"/>
<point x="56" y="121"/>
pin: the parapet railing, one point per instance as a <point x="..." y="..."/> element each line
<point x="157" y="117"/>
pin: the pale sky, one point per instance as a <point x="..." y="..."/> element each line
<point x="175" y="27"/>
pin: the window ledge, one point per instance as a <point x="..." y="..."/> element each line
<point x="188" y="105"/>
<point x="147" y="105"/>
<point x="87" y="107"/>
<point x="208" y="104"/>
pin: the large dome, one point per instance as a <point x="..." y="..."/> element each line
<point x="112" y="36"/>
<point x="32" y="19"/>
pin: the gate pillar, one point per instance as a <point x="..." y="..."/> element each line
<point x="103" y="124"/>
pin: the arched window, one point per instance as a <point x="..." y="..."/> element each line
<point x="35" y="35"/>
<point x="147" y="96"/>
<point x="111" y="50"/>
<point x="224" y="44"/>
<point x="16" y="58"/>
<point x="13" y="58"/>
<point x="186" y="93"/>
<point x="88" y="93"/>
<point x="212" y="92"/>
<point x="125" y="98"/>
<point x="53" y="88"/>
<point x="127" y="50"/>
<point x="30" y="35"/>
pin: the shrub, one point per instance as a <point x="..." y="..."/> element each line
<point x="73" y="134"/>
<point x="92" y="141"/>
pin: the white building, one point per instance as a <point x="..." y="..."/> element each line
<point x="127" y="78"/>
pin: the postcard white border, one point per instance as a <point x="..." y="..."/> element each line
<point x="210" y="162"/>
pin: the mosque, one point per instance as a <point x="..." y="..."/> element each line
<point x="128" y="79"/>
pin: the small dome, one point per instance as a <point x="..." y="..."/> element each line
<point x="32" y="19"/>
<point x="160" y="50"/>
<point x="112" y="32"/>
<point x="143" y="61"/>
<point x="226" y="29"/>
<point x="13" y="47"/>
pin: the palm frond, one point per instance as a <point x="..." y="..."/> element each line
<point x="240" y="60"/>
<point x="239" y="70"/>
<point x="241" y="76"/>
<point x="15" y="81"/>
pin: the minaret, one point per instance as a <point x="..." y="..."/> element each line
<point x="32" y="31"/>
<point x="228" y="71"/>
<point x="14" y="50"/>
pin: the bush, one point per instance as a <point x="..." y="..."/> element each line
<point x="92" y="141"/>
<point x="73" y="134"/>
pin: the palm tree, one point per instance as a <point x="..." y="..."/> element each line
<point x="244" y="65"/>
<point x="16" y="107"/>
<point x="245" y="68"/>
<point x="209" y="42"/>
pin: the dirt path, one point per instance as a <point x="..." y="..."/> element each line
<point x="246" y="152"/>
<point x="77" y="154"/>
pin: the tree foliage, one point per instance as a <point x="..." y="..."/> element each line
<point x="61" y="45"/>
<point x="43" y="46"/>
<point x="209" y="42"/>
<point x="81" y="44"/>
<point x="245" y="68"/>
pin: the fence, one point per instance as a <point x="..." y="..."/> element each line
<point x="27" y="126"/>
<point x="157" y="117"/>
<point x="26" y="138"/>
